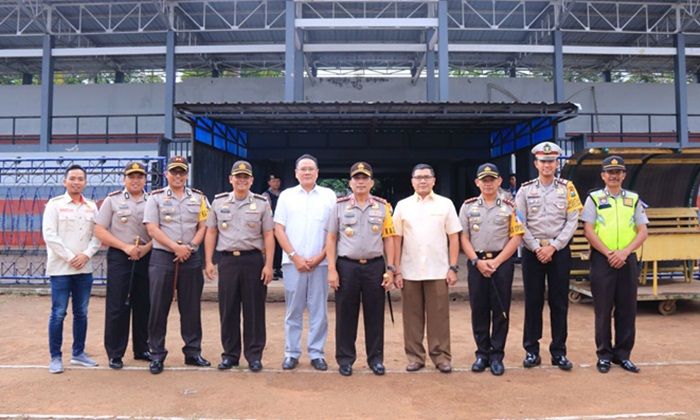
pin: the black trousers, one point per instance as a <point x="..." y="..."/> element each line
<point x="190" y="282"/>
<point x="126" y="294"/>
<point x="614" y="294"/>
<point x="556" y="273"/>
<point x="240" y="286"/>
<point x="488" y="325"/>
<point x="277" y="258"/>
<point x="359" y="284"/>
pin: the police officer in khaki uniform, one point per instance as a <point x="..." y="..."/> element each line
<point x="175" y="218"/>
<point x="491" y="233"/>
<point x="119" y="226"/>
<point x="615" y="224"/>
<point x="360" y="232"/>
<point x="240" y="229"/>
<point x="549" y="207"/>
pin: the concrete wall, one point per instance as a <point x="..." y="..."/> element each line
<point x="148" y="99"/>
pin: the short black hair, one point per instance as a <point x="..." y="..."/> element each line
<point x="306" y="156"/>
<point x="515" y="175"/>
<point x="423" y="166"/>
<point x="74" y="167"/>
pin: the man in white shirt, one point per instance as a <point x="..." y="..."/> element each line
<point x="67" y="227"/>
<point x="427" y="248"/>
<point x="300" y="220"/>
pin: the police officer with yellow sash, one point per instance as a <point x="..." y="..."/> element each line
<point x="615" y="225"/>
<point x="491" y="233"/>
<point x="360" y="231"/>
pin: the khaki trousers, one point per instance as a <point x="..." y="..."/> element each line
<point x="426" y="300"/>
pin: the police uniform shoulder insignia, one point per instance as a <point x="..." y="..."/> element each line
<point x="113" y="193"/>
<point x="158" y="191"/>
<point x="562" y="181"/>
<point x="509" y="202"/>
<point x="379" y="199"/>
<point x="197" y="191"/>
<point x="530" y="182"/>
<point x="342" y="199"/>
<point x="260" y="197"/>
<point x="471" y="200"/>
<point x="221" y="195"/>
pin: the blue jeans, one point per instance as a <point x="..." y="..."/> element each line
<point x="62" y="287"/>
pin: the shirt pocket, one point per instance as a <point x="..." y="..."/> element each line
<point x="123" y="216"/>
<point x="66" y="219"/>
<point x="376" y="224"/>
<point x="224" y="219"/>
<point x="534" y="205"/>
<point x="252" y="222"/>
<point x="501" y="220"/>
<point x="167" y="214"/>
<point x="191" y="213"/>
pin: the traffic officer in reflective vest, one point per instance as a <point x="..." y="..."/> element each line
<point x="616" y="225"/>
<point x="119" y="225"/>
<point x="175" y="218"/>
<point x="491" y="233"/>
<point x="549" y="206"/>
<point x="240" y="230"/>
<point x="360" y="252"/>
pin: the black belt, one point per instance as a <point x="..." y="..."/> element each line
<point x="362" y="261"/>
<point x="236" y="253"/>
<point x="487" y="255"/>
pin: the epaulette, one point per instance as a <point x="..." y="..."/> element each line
<point x="509" y="202"/>
<point x="221" y="195"/>
<point x="470" y="200"/>
<point x="197" y="191"/>
<point x="530" y="182"/>
<point x="563" y="181"/>
<point x="380" y="199"/>
<point x="113" y="193"/>
<point x="158" y="191"/>
<point x="260" y="197"/>
<point x="341" y="199"/>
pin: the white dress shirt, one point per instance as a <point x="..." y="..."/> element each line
<point x="305" y="216"/>
<point x="68" y="230"/>
<point x="424" y="224"/>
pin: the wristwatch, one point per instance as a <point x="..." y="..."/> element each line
<point x="454" y="268"/>
<point x="474" y="261"/>
<point x="193" y="246"/>
<point x="292" y="254"/>
<point x="391" y="268"/>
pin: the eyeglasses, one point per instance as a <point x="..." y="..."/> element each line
<point x="178" y="173"/>
<point x="307" y="169"/>
<point x="423" y="177"/>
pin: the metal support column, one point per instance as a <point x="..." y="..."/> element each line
<point x="681" y="91"/>
<point x="289" y="51"/>
<point x="299" y="67"/>
<point x="558" y="77"/>
<point x="429" y="68"/>
<point x="27" y="78"/>
<point x="443" y="57"/>
<point x="46" y="94"/>
<point x="169" y="100"/>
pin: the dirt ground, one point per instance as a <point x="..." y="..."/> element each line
<point x="666" y="351"/>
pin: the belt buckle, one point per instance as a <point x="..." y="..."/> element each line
<point x="488" y="255"/>
<point x="544" y="242"/>
<point x="362" y="261"/>
<point x="236" y="253"/>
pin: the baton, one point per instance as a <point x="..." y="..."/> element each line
<point x="177" y="269"/>
<point x="131" y="277"/>
<point x="391" y="307"/>
<point x="498" y="298"/>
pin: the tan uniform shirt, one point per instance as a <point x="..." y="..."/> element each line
<point x="550" y="213"/>
<point x="241" y="223"/>
<point x="122" y="215"/>
<point x="68" y="230"/>
<point x="177" y="218"/>
<point x="361" y="229"/>
<point x="424" y="224"/>
<point x="490" y="228"/>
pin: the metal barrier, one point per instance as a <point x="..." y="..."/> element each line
<point x="634" y="127"/>
<point x="26" y="185"/>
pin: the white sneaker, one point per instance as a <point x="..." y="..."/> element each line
<point x="83" y="360"/>
<point x="56" y="365"/>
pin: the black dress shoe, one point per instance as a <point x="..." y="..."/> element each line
<point x="116" y="363"/>
<point x="378" y="368"/>
<point x="627" y="365"/>
<point x="562" y="362"/>
<point x="345" y="370"/>
<point x="479" y="364"/>
<point x="531" y="360"/>
<point x="197" y="360"/>
<point x="497" y="368"/>
<point x="319" y="364"/>
<point x="290" y="363"/>
<point x="603" y="365"/>
<point x="156" y="367"/>
<point x="227" y="363"/>
<point x="143" y="356"/>
<point x="255" y="366"/>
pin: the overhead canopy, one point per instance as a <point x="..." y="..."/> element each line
<point x="356" y="116"/>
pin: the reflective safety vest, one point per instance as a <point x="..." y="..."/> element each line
<point x="614" y="223"/>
